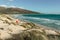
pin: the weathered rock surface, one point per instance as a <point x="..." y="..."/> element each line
<point x="10" y="30"/>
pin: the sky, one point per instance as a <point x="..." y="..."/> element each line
<point x="43" y="6"/>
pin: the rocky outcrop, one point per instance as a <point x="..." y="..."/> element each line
<point x="10" y="30"/>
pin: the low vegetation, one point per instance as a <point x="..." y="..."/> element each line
<point x="10" y="30"/>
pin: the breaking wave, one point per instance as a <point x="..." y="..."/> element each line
<point x="43" y="21"/>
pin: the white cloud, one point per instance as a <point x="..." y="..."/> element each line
<point x="10" y="0"/>
<point x="11" y="6"/>
<point x="21" y="7"/>
<point x="3" y="5"/>
<point x="8" y="6"/>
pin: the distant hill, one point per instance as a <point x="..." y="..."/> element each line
<point x="16" y="11"/>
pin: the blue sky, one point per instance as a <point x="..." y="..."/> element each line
<point x="43" y="6"/>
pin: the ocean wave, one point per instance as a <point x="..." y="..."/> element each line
<point x="44" y="20"/>
<point x="57" y="23"/>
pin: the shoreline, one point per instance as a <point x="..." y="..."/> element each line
<point x="48" y="28"/>
<point x="10" y="29"/>
<point x="42" y="26"/>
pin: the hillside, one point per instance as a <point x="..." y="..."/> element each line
<point x="11" y="30"/>
<point x="15" y="11"/>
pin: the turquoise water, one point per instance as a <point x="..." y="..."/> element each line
<point x="50" y="20"/>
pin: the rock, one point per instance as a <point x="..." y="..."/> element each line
<point x="10" y="30"/>
<point x="51" y="32"/>
<point x="33" y="34"/>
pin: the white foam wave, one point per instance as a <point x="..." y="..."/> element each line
<point x="42" y="20"/>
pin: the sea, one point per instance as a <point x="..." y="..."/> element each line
<point x="49" y="20"/>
